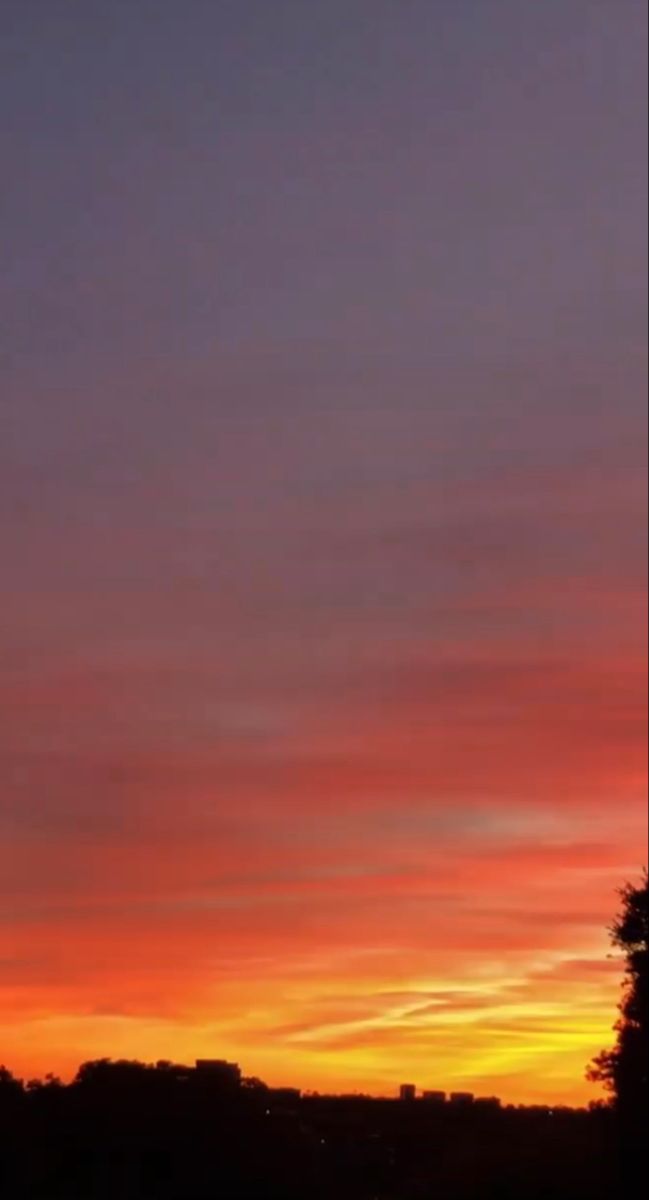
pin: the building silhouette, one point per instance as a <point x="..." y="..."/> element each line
<point x="218" y="1072"/>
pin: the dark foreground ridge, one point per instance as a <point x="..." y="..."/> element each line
<point x="128" y="1131"/>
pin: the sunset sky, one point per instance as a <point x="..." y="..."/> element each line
<point x="322" y="461"/>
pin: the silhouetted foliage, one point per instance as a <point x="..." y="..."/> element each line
<point x="8" y="1084"/>
<point x="623" y="1069"/>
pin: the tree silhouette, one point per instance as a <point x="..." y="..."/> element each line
<point x="623" y="1069"/>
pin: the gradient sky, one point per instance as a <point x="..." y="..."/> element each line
<point x="322" y="466"/>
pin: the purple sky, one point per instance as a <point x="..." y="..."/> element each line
<point x="322" y="460"/>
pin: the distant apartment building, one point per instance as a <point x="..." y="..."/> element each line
<point x="407" y="1091"/>
<point x="461" y="1099"/>
<point x="435" y="1097"/>
<point x="283" y="1099"/>
<point x="218" y="1072"/>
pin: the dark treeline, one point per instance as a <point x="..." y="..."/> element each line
<point x="126" y="1131"/>
<point x="623" y="1068"/>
